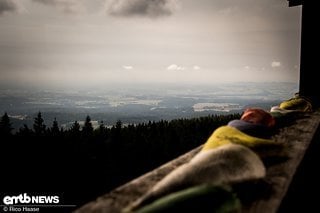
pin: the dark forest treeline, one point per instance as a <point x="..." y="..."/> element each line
<point x="81" y="163"/>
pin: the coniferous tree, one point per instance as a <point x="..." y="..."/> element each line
<point x="55" y="131"/>
<point x="118" y="125"/>
<point x="87" y="129"/>
<point x="25" y="131"/>
<point x="102" y="127"/>
<point x="116" y="131"/>
<point x="101" y="130"/>
<point x="75" y="129"/>
<point x="5" y="125"/>
<point x="38" y="125"/>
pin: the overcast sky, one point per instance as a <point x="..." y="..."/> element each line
<point x="77" y="42"/>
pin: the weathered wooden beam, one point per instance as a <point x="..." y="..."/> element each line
<point x="309" y="59"/>
<point x="279" y="175"/>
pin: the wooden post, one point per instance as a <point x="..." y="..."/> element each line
<point x="309" y="83"/>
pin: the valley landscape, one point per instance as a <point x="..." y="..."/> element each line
<point x="138" y="103"/>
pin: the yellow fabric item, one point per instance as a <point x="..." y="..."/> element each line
<point x="296" y="103"/>
<point x="227" y="134"/>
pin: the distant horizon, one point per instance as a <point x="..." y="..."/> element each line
<point x="137" y="85"/>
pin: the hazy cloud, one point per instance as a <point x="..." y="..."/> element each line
<point x="175" y="67"/>
<point x="195" y="67"/>
<point x="147" y="8"/>
<point x="275" y="64"/>
<point x="243" y="4"/>
<point x="67" y="6"/>
<point x="8" y="6"/>
<point x="127" y="67"/>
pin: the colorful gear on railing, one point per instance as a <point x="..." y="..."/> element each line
<point x="258" y="116"/>
<point x="297" y="103"/>
<point x="233" y="141"/>
<point x="227" y="134"/>
<point x="251" y="129"/>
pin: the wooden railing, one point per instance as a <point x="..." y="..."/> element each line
<point x="298" y="136"/>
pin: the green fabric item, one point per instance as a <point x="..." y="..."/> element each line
<point x="297" y="103"/>
<point x="202" y="198"/>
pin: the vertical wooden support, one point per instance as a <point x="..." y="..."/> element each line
<point x="309" y="82"/>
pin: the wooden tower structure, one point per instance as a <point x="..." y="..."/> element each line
<point x="309" y="82"/>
